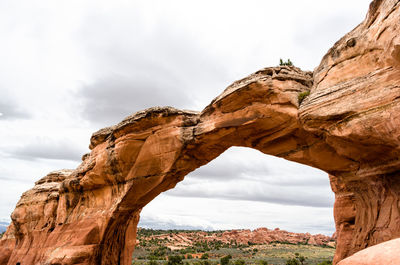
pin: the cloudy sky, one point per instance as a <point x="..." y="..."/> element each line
<point x="68" y="68"/>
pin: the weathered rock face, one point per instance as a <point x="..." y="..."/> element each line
<point x="386" y="253"/>
<point x="354" y="106"/>
<point x="348" y="127"/>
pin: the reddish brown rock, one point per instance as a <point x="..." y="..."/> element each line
<point x="348" y="126"/>
<point x="243" y="237"/>
<point x="354" y="106"/>
<point x="386" y="253"/>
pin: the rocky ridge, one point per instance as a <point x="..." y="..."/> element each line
<point x="245" y="237"/>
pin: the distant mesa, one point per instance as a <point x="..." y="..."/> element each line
<point x="244" y="237"/>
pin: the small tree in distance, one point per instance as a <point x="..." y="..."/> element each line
<point x="174" y="260"/>
<point x="225" y="260"/>
<point x="240" y="262"/>
<point x="288" y="62"/>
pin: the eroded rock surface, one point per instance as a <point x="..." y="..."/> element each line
<point x="348" y="126"/>
<point x="386" y="253"/>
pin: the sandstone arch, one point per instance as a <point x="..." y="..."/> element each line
<point x="348" y="127"/>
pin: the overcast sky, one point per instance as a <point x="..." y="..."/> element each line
<point x="68" y="68"/>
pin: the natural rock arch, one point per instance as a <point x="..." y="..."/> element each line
<point x="348" y="126"/>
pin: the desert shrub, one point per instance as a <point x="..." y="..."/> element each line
<point x="262" y="262"/>
<point x="174" y="260"/>
<point x="292" y="261"/>
<point x="204" y="256"/>
<point x="303" y="95"/>
<point x="325" y="262"/>
<point x="288" y="62"/>
<point x="240" y="262"/>
<point x="160" y="251"/>
<point x="297" y="260"/>
<point x="225" y="260"/>
<point x="152" y="262"/>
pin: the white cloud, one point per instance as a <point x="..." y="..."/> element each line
<point x="247" y="174"/>
<point x="17" y="176"/>
<point x="219" y="214"/>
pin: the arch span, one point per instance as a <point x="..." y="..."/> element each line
<point x="348" y="126"/>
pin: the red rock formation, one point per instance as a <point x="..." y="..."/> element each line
<point x="354" y="107"/>
<point x="348" y="126"/>
<point x="243" y="237"/>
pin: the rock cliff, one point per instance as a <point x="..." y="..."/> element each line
<point x="348" y="126"/>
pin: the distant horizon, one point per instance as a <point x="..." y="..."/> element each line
<point x="234" y="229"/>
<point x="4" y="225"/>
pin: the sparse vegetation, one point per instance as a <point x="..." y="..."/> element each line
<point x="1" y="234"/>
<point x="175" y="260"/>
<point x="303" y="95"/>
<point x="297" y="260"/>
<point x="326" y="262"/>
<point x="288" y="62"/>
<point x="239" y="262"/>
<point x="158" y="247"/>
<point x="225" y="260"/>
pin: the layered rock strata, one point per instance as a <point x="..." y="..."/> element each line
<point x="348" y="126"/>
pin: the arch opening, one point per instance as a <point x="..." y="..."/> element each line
<point x="244" y="189"/>
<point x="244" y="176"/>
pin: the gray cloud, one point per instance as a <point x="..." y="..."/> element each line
<point x="315" y="39"/>
<point x="246" y="174"/>
<point x="225" y="169"/>
<point x="159" y="223"/>
<point x="3" y="227"/>
<point x="263" y="170"/>
<point x="163" y="66"/>
<point x="251" y="165"/>
<point x="47" y="149"/>
<point x="9" y="110"/>
<point x="11" y="179"/>
<point x="275" y="194"/>
<point x="109" y="100"/>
